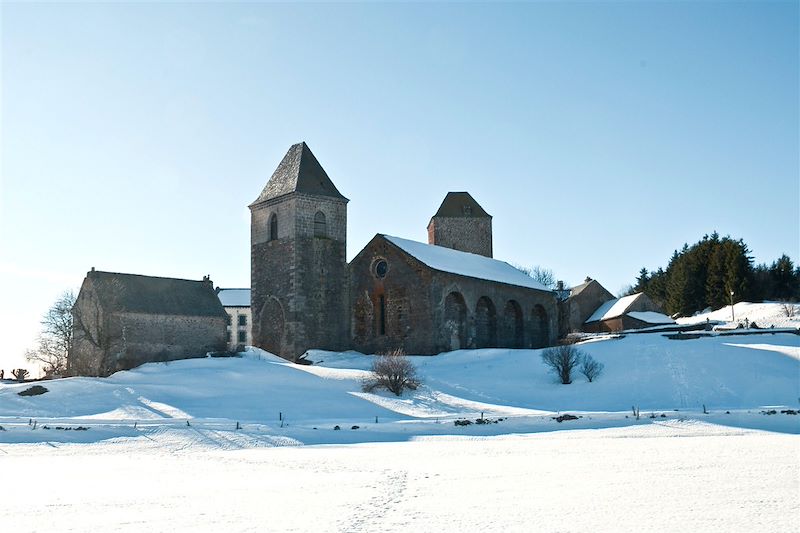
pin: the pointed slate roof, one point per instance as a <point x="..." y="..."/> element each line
<point x="460" y="204"/>
<point x="299" y="171"/>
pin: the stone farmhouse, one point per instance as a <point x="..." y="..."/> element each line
<point x="635" y="311"/>
<point x="578" y="303"/>
<point x="423" y="298"/>
<point x="121" y="321"/>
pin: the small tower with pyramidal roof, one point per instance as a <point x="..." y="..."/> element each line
<point x="298" y="240"/>
<point x="461" y="224"/>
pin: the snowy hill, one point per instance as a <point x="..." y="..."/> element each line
<point x="765" y="314"/>
<point x="738" y="373"/>
<point x="221" y="438"/>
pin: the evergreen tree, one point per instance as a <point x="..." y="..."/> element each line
<point x="785" y="279"/>
<point x="641" y="281"/>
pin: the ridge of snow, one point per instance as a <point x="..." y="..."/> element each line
<point x="465" y="263"/>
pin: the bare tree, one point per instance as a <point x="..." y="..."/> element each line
<point x="562" y="360"/>
<point x="590" y="367"/>
<point x="55" y="339"/>
<point x="543" y="275"/>
<point x="393" y="372"/>
<point x="20" y="374"/>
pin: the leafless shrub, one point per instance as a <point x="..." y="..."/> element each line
<point x="789" y="309"/>
<point x="590" y="367"/>
<point x="562" y="360"/>
<point x="20" y="374"/>
<point x="393" y="372"/>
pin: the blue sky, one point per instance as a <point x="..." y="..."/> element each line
<point x="600" y="136"/>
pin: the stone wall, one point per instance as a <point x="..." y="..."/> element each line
<point x="468" y="234"/>
<point x="580" y="307"/>
<point x="148" y="338"/>
<point x="428" y="312"/>
<point x="299" y="290"/>
<point x="131" y="339"/>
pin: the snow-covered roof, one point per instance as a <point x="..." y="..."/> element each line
<point x="465" y="264"/>
<point x="613" y="308"/>
<point x="234" y="297"/>
<point x="651" y="317"/>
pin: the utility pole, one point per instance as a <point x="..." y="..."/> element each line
<point x="733" y="315"/>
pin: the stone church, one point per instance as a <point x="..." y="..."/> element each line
<point x="445" y="295"/>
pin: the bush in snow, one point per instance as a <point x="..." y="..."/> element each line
<point x="590" y="367"/>
<point x="33" y="391"/>
<point x="393" y="372"/>
<point x="20" y="374"/>
<point x="562" y="360"/>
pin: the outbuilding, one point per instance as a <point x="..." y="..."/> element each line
<point x="121" y="321"/>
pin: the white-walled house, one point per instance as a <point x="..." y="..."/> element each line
<point x="237" y="304"/>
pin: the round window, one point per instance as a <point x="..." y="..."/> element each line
<point x="380" y="268"/>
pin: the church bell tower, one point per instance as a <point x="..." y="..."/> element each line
<point x="298" y="240"/>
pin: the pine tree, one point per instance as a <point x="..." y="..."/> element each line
<point x="785" y="279"/>
<point x="641" y="281"/>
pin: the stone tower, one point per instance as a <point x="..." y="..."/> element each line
<point x="298" y="238"/>
<point x="461" y="224"/>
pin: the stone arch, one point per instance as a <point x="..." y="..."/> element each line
<point x="273" y="227"/>
<point x="272" y="326"/>
<point x="512" y="334"/>
<point x="540" y="327"/>
<point x="320" y="225"/>
<point x="455" y="322"/>
<point x="485" y="323"/>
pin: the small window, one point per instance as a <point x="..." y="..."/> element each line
<point x="273" y="227"/>
<point x="242" y="320"/>
<point x="241" y="337"/>
<point x="467" y="209"/>
<point x="227" y="336"/>
<point x="320" y="225"/>
<point x="380" y="268"/>
<point x="228" y="319"/>
<point x="382" y="315"/>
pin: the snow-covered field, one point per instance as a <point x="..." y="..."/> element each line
<point x="673" y="476"/>
<point x="161" y="449"/>
<point x="766" y="314"/>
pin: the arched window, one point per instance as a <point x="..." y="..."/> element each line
<point x="320" y="225"/>
<point x="273" y="227"/>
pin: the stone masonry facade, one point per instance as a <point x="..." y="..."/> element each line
<point x="304" y="295"/>
<point x="425" y="311"/>
<point x="473" y="235"/>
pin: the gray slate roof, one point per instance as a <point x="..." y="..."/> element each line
<point x="133" y="293"/>
<point x="461" y="204"/>
<point x="299" y="171"/>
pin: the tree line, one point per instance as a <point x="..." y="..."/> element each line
<point x="715" y="272"/>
